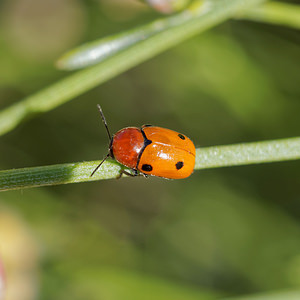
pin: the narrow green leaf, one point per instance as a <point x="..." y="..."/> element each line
<point x="277" y="295"/>
<point x="65" y="90"/>
<point x="250" y="153"/>
<point x="210" y="157"/>
<point x="96" y="51"/>
<point x="277" y="13"/>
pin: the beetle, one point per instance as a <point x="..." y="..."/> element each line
<point x="151" y="150"/>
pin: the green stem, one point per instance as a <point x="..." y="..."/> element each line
<point x="271" y="295"/>
<point x="250" y="153"/>
<point x="277" y="13"/>
<point x="210" y="157"/>
<point x="59" y="93"/>
<point x="96" y="51"/>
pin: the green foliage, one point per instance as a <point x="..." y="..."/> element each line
<point x="287" y="295"/>
<point x="278" y="13"/>
<point x="210" y="157"/>
<point x="220" y="234"/>
<point x="67" y="89"/>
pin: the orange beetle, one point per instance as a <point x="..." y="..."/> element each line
<point x="151" y="150"/>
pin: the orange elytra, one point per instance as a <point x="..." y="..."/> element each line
<point x="151" y="150"/>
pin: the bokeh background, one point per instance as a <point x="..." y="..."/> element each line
<point x="221" y="232"/>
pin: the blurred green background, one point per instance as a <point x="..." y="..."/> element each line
<point x="221" y="232"/>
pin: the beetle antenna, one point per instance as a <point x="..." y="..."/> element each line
<point x="103" y="160"/>
<point x="104" y="121"/>
<point x="109" y="136"/>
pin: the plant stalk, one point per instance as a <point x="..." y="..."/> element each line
<point x="209" y="157"/>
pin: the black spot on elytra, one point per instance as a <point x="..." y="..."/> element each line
<point x="179" y="165"/>
<point x="181" y="136"/>
<point x="147" y="168"/>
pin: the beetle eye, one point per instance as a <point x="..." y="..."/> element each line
<point x="181" y="136"/>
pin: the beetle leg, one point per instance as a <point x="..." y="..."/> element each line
<point x="128" y="173"/>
